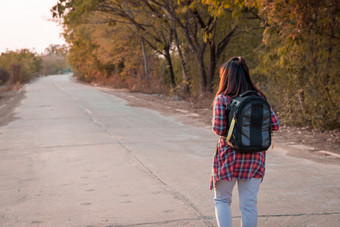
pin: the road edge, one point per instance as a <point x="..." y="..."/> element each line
<point x="7" y="109"/>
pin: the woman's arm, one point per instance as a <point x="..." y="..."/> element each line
<point x="275" y="122"/>
<point x="219" y="120"/>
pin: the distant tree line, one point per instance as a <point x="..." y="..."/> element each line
<point x="176" y="47"/>
<point x="54" y="60"/>
<point x="20" y="66"/>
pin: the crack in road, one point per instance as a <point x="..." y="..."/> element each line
<point x="213" y="218"/>
<point x="171" y="191"/>
<point x="176" y="194"/>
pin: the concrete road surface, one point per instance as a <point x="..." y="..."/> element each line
<point x="77" y="156"/>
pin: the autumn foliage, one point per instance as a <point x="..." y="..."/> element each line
<point x="176" y="47"/>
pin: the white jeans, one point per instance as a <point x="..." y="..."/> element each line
<point x="247" y="190"/>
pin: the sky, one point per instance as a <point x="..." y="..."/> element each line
<point x="24" y="24"/>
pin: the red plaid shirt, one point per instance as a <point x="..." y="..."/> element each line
<point x="229" y="163"/>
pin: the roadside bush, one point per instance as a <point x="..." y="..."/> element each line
<point x="22" y="65"/>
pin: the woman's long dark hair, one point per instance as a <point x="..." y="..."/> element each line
<point x="235" y="79"/>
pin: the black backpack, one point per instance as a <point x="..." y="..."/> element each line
<point x="249" y="121"/>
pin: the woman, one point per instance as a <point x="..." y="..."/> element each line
<point x="230" y="166"/>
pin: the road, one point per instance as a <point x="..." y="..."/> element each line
<point x="77" y="156"/>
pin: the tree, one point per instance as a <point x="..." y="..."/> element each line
<point x="107" y="15"/>
<point x="301" y="55"/>
<point x="202" y="26"/>
<point x="298" y="57"/>
<point x="159" y="40"/>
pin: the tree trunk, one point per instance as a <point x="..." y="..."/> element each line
<point x="201" y="68"/>
<point x="212" y="67"/>
<point x="171" y="70"/>
<point x="15" y="72"/>
<point x="185" y="79"/>
<point x="145" y="58"/>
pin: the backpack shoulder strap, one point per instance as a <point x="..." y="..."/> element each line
<point x="250" y="92"/>
<point x="231" y="128"/>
